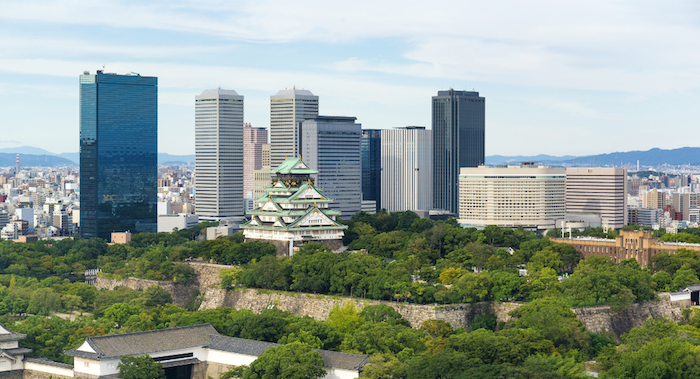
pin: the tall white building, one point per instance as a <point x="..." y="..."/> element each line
<point x="599" y="190"/>
<point x="528" y="195"/>
<point x="218" y="155"/>
<point x="331" y="145"/>
<point x="406" y="162"/>
<point x="288" y="108"/>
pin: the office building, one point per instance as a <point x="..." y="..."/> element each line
<point x="654" y="199"/>
<point x="262" y="176"/>
<point x="371" y="148"/>
<point x="218" y="192"/>
<point x="644" y="216"/>
<point x="683" y="203"/>
<point x="598" y="190"/>
<point x="253" y="141"/>
<point x="118" y="153"/>
<point x="458" y="141"/>
<point x="529" y="195"/>
<point x="406" y="167"/>
<point x="293" y="211"/>
<point x="331" y="145"/>
<point x="288" y="108"/>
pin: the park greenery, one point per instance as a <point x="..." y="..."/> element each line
<point x="392" y="256"/>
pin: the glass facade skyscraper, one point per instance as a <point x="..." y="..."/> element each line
<point x="118" y="154"/>
<point x="331" y="145"/>
<point x="371" y="146"/>
<point x="458" y="141"/>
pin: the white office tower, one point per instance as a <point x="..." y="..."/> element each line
<point x="331" y="145"/>
<point x="288" y="108"/>
<point x="407" y="169"/>
<point x="218" y="155"/>
<point x="599" y="190"/>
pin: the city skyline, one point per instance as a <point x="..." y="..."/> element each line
<point x="610" y="69"/>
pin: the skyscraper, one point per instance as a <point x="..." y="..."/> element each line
<point x="406" y="165"/>
<point x="118" y="153"/>
<point x="253" y="141"/>
<point x="458" y="141"/>
<point x="331" y="145"/>
<point x="288" y="108"/>
<point x="218" y="192"/>
<point x="371" y="165"/>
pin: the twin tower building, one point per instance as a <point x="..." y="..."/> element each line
<point x="119" y="145"/>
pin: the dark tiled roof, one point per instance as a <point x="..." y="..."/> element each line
<point x="12" y="336"/>
<point x="44" y="361"/>
<point x="240" y="345"/>
<point x="17" y="351"/>
<point x="693" y="287"/>
<point x="346" y="361"/>
<point x="118" y="345"/>
<point x="332" y="359"/>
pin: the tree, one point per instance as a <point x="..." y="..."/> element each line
<point x="292" y="361"/>
<point x="383" y="313"/>
<point x="120" y="313"/>
<point x="156" y="295"/>
<point x="345" y="318"/>
<point x="44" y="300"/>
<point x="143" y="367"/>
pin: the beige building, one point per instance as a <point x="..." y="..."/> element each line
<point x="654" y="199"/>
<point x="261" y="177"/>
<point x="529" y="195"/>
<point x="640" y="245"/>
<point x="599" y="190"/>
<point x="253" y="141"/>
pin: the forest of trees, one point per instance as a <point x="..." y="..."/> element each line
<point x="393" y="256"/>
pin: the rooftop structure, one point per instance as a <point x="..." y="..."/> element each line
<point x="191" y="348"/>
<point x="293" y="211"/>
<point x="640" y="245"/>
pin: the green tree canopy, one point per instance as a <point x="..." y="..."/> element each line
<point x="292" y="361"/>
<point x="142" y="367"/>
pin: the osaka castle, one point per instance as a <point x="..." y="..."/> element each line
<point x="293" y="211"/>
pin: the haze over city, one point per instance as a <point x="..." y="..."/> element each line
<point x="572" y="78"/>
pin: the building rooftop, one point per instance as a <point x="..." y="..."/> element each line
<point x="294" y="92"/>
<point x="118" y="345"/>
<point x="332" y="359"/>
<point x="219" y="91"/>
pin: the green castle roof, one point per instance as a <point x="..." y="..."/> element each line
<point x="293" y="166"/>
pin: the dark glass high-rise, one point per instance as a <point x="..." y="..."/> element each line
<point x="458" y="141"/>
<point x="118" y="154"/>
<point x="371" y="145"/>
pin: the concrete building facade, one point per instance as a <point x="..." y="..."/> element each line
<point x="599" y="190"/>
<point x="529" y="195"/>
<point x="219" y="155"/>
<point x="406" y="167"/>
<point x="640" y="245"/>
<point x="253" y="141"/>
<point x="331" y="145"/>
<point x="288" y="108"/>
<point x="654" y="199"/>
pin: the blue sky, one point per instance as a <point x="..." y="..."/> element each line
<point x="560" y="78"/>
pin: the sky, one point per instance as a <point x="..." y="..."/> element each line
<point x="559" y="77"/>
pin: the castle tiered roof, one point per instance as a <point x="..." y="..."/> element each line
<point x="293" y="204"/>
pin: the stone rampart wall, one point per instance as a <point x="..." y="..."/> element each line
<point x="596" y="319"/>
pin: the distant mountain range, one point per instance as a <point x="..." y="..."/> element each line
<point x="33" y="156"/>
<point x="653" y="157"/>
